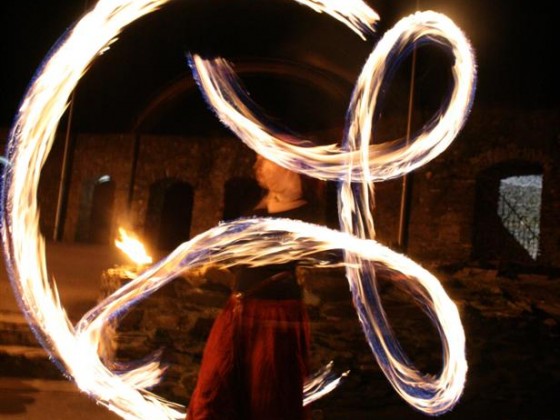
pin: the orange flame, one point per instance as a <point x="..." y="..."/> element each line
<point x="132" y="247"/>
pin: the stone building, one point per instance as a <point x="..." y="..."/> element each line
<point x="170" y="188"/>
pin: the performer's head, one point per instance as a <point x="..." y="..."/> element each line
<point x="277" y="180"/>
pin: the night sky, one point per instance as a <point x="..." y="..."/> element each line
<point x="514" y="44"/>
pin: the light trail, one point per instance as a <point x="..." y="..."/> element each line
<point x="384" y="161"/>
<point x="252" y="241"/>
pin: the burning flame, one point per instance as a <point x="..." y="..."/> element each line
<point x="132" y="247"/>
<point x="256" y="241"/>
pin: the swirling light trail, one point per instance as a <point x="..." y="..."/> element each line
<point x="384" y="161"/>
<point x="363" y="163"/>
<point x="254" y="241"/>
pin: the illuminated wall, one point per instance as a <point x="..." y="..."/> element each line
<point x="443" y="218"/>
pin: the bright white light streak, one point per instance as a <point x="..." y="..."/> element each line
<point x="30" y="141"/>
<point x="388" y="160"/>
<point x="76" y="348"/>
<point x="321" y="383"/>
<point x="355" y="14"/>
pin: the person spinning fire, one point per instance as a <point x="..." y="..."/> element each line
<point x="256" y="357"/>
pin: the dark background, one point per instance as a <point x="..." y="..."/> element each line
<point x="514" y="44"/>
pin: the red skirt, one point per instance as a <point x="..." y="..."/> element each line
<point x="254" y="363"/>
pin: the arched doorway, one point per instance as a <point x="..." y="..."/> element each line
<point x="507" y="213"/>
<point x="168" y="220"/>
<point x="101" y="215"/>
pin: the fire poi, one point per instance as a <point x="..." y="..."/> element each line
<point x="353" y="161"/>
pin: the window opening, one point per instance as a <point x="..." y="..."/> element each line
<point x="519" y="209"/>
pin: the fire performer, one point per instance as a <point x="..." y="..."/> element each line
<point x="256" y="358"/>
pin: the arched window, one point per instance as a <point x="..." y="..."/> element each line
<point x="169" y="215"/>
<point x="507" y="213"/>
<point x="519" y="208"/>
<point x="95" y="219"/>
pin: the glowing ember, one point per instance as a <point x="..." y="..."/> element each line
<point x="256" y="241"/>
<point x="132" y="247"/>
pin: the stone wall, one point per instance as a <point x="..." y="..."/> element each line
<point x="177" y="318"/>
<point x="444" y="191"/>
<point x="205" y="164"/>
<point x="443" y="201"/>
<point x="94" y="157"/>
